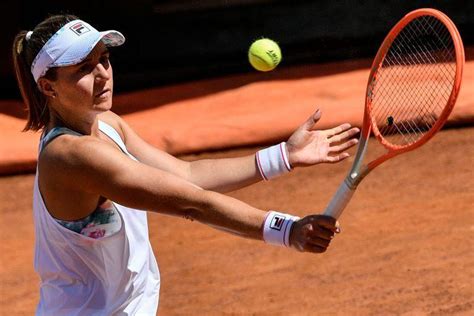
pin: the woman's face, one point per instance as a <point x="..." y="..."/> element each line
<point x="86" y="88"/>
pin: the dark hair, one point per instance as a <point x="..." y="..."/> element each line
<point x="24" y="52"/>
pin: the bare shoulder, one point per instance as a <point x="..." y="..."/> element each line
<point x="74" y="157"/>
<point x="113" y="120"/>
<point x="75" y="171"/>
<point x="128" y="135"/>
<point x="66" y="177"/>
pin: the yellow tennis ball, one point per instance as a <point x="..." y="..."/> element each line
<point x="264" y="54"/>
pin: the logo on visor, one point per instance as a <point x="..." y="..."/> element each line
<point x="79" y="28"/>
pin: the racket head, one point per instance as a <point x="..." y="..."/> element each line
<point x="414" y="82"/>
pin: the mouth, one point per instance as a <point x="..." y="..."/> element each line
<point x="104" y="93"/>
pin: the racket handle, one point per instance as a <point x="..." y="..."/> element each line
<point x="340" y="200"/>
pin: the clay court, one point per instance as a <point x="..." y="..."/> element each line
<point x="406" y="246"/>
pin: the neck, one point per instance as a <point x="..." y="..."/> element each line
<point x="73" y="121"/>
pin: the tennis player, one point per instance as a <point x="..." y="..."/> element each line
<point x="96" y="176"/>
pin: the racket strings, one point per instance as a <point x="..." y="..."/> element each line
<point x="414" y="82"/>
<point x="413" y="58"/>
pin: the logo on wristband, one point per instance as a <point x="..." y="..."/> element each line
<point x="277" y="222"/>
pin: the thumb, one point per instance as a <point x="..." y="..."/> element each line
<point x="313" y="119"/>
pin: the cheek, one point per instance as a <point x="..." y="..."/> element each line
<point x="81" y="90"/>
<point x="85" y="87"/>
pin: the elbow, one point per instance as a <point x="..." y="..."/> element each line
<point x="195" y="208"/>
<point x="190" y="214"/>
<point x="196" y="213"/>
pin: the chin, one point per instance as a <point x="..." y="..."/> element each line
<point x="103" y="106"/>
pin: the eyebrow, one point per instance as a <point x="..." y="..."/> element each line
<point x="88" y="59"/>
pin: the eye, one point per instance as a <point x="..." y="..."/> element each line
<point x="104" y="60"/>
<point x="86" y="68"/>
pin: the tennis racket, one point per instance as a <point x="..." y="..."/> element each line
<point x="412" y="88"/>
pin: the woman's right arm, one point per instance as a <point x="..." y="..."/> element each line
<point x="96" y="167"/>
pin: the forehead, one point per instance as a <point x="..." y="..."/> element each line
<point x="98" y="50"/>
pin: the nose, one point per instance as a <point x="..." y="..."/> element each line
<point x="101" y="73"/>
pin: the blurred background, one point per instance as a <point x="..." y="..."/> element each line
<point x="179" y="40"/>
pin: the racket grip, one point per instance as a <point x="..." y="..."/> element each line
<point x="340" y="200"/>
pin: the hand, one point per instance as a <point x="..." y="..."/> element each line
<point x="308" y="147"/>
<point x="313" y="233"/>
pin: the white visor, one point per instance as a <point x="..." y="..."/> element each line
<point x="71" y="45"/>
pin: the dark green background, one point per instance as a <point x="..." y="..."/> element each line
<point x="174" y="41"/>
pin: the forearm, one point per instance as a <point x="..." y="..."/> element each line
<point x="220" y="175"/>
<point x="228" y="214"/>
<point x="224" y="175"/>
<point x="142" y="187"/>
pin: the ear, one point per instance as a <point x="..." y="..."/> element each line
<point x="46" y="87"/>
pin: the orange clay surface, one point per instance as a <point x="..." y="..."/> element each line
<point x="406" y="246"/>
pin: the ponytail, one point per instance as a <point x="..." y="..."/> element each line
<point x="35" y="101"/>
<point x="24" y="51"/>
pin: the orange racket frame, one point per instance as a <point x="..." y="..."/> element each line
<point x="359" y="171"/>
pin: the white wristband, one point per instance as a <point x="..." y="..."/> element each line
<point x="277" y="228"/>
<point x="273" y="161"/>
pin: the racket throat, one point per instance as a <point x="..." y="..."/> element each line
<point x="358" y="170"/>
<point x="355" y="176"/>
<point x="347" y="188"/>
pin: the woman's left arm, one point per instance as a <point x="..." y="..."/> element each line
<point x="220" y="175"/>
<point x="305" y="147"/>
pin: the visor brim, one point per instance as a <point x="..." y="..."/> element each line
<point x="79" y="51"/>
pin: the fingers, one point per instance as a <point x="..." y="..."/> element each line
<point x="321" y="232"/>
<point x="315" y="248"/>
<point x="327" y="222"/>
<point x="337" y="158"/>
<point x="343" y="134"/>
<point x="343" y="146"/>
<point x="337" y="130"/>
<point x="313" y="119"/>
<point x="316" y="244"/>
<point x="316" y="233"/>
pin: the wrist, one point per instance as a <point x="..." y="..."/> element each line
<point x="277" y="228"/>
<point x="290" y="155"/>
<point x="273" y="161"/>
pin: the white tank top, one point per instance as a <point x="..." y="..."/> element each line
<point x="113" y="275"/>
